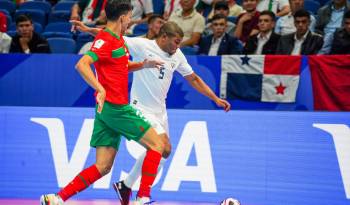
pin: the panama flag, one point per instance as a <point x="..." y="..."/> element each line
<point x="269" y="78"/>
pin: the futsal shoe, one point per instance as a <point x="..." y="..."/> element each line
<point x="51" y="199"/>
<point x="142" y="201"/>
<point x="123" y="192"/>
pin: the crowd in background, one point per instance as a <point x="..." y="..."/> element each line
<point x="211" y="27"/>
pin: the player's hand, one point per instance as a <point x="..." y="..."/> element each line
<point x="80" y="26"/>
<point x="100" y="98"/>
<point x="152" y="63"/>
<point x="224" y="104"/>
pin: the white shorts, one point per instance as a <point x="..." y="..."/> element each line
<point x="159" y="121"/>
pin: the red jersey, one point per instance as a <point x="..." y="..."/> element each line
<point x="111" y="58"/>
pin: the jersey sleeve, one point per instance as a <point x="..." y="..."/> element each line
<point x="184" y="68"/>
<point x="99" y="50"/>
<point x="134" y="45"/>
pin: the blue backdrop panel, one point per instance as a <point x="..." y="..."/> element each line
<point x="262" y="158"/>
<point x="51" y="80"/>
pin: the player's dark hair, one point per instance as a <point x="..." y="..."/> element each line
<point x="23" y="18"/>
<point x="115" y="8"/>
<point x="171" y="29"/>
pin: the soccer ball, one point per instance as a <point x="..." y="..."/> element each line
<point x="230" y="201"/>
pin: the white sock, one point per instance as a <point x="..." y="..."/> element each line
<point x="136" y="170"/>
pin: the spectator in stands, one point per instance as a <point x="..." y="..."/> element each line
<point x="170" y="7"/>
<point x="279" y="7"/>
<point x="285" y="24"/>
<point x="142" y="10"/>
<point x="247" y="23"/>
<point x="341" y="38"/>
<point x="89" y="11"/>
<point x="154" y="23"/>
<point x="219" y="43"/>
<point x="26" y="40"/>
<point x="220" y="7"/>
<point x="303" y="41"/>
<point x="330" y="17"/>
<point x="265" y="42"/>
<point x="190" y="21"/>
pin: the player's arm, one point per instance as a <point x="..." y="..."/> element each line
<point x="80" y="26"/>
<point x="85" y="70"/>
<point x="197" y="83"/>
<point x="147" y="63"/>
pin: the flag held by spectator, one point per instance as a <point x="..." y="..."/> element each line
<point x="270" y="78"/>
<point x="330" y="82"/>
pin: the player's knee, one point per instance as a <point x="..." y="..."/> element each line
<point x="104" y="168"/>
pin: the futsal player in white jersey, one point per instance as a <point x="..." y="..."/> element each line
<point x="150" y="88"/>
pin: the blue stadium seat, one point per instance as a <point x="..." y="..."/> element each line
<point x="83" y="38"/>
<point x="59" y="16"/>
<point x="58" y="29"/>
<point x="8" y="6"/>
<point x="64" y="6"/>
<point x="232" y="19"/>
<point x="4" y="11"/>
<point x="36" y="15"/>
<point x="37" y="5"/>
<point x="11" y="33"/>
<point x="140" y="29"/>
<point x="311" y="6"/>
<point x="189" y="50"/>
<point x="158" y="7"/>
<point x="62" y="45"/>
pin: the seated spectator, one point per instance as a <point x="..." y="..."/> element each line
<point x="279" y="7"/>
<point x="26" y="40"/>
<point x="220" y="7"/>
<point x="190" y="21"/>
<point x="89" y="11"/>
<point x="154" y="23"/>
<point x="303" y="41"/>
<point x="170" y="7"/>
<point x="142" y="10"/>
<point x="330" y="18"/>
<point x="247" y="23"/>
<point x="3" y="22"/>
<point x="285" y="24"/>
<point x="219" y="43"/>
<point x="341" y="38"/>
<point x="265" y="42"/>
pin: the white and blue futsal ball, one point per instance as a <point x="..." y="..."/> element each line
<point x="230" y="201"/>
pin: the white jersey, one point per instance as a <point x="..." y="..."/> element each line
<point x="150" y="85"/>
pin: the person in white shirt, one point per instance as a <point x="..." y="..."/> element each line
<point x="142" y="10"/>
<point x="149" y="89"/>
<point x="285" y="24"/>
<point x="279" y="7"/>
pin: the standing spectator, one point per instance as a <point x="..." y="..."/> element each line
<point x="303" y="41"/>
<point x="219" y="43"/>
<point x="190" y="21"/>
<point x="89" y="11"/>
<point x="279" y="7"/>
<point x="265" y="42"/>
<point x="330" y="17"/>
<point x="247" y="23"/>
<point x="142" y="10"/>
<point x="341" y="38"/>
<point x="26" y="40"/>
<point x="285" y="24"/>
<point x="220" y="7"/>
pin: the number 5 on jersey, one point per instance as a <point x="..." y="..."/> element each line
<point x="161" y="73"/>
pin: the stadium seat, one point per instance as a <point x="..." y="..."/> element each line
<point x="311" y="6"/>
<point x="83" y="38"/>
<point x="59" y="16"/>
<point x="64" y="6"/>
<point x="36" y="15"/>
<point x="36" y="5"/>
<point x="4" y="11"/>
<point x="158" y="7"/>
<point x="8" y="6"/>
<point x="62" y="45"/>
<point x="232" y="19"/>
<point x="140" y="29"/>
<point x="11" y="33"/>
<point x="58" y="29"/>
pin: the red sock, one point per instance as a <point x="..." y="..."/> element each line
<point x="149" y="172"/>
<point x="80" y="182"/>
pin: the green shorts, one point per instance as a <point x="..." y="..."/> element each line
<point x="115" y="121"/>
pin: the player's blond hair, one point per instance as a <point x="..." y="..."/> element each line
<point x="171" y="29"/>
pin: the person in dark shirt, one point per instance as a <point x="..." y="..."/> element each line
<point x="341" y="38"/>
<point x="26" y="40"/>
